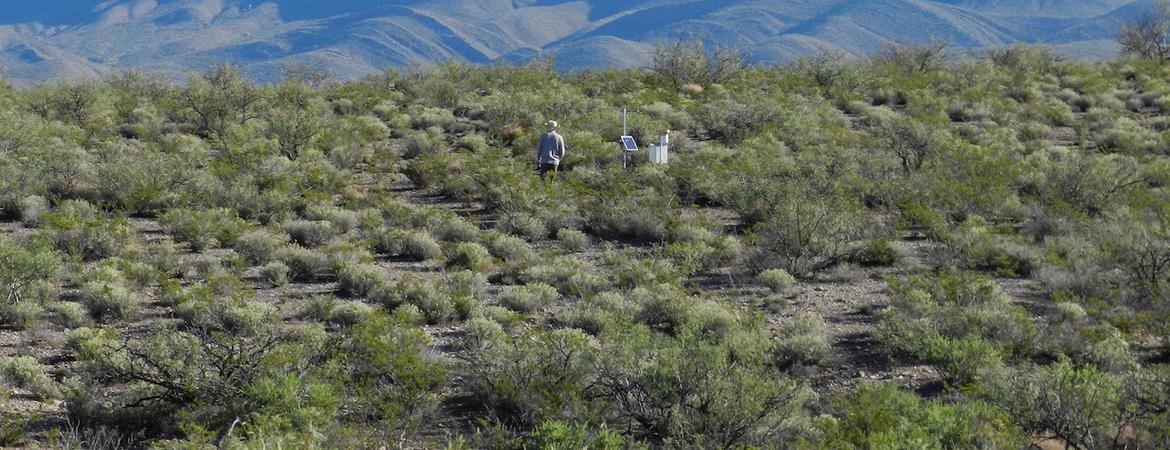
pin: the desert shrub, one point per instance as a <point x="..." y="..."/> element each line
<point x="691" y="258"/>
<point x="467" y="283"/>
<point x="360" y="280"/>
<point x="530" y="380"/>
<point x="878" y="252"/>
<point x="1078" y="405"/>
<point x="32" y="207"/>
<point x="21" y="315"/>
<point x="429" y="296"/>
<point x="304" y="265"/>
<point x="572" y="240"/>
<point x="342" y="219"/>
<point x="1140" y="247"/>
<point x="222" y="368"/>
<point x="528" y="298"/>
<point x="975" y="247"/>
<point x="524" y="225"/>
<point x="732" y="121"/>
<point x="389" y="374"/>
<point x="69" y="315"/>
<point x="275" y="273"/>
<point x="25" y="271"/>
<point x="310" y="233"/>
<point x="259" y="246"/>
<point x="25" y="372"/>
<point x="778" y="280"/>
<point x="388" y="241"/>
<point x="318" y="308"/>
<point x="419" y="144"/>
<point x="350" y="313"/>
<point x="960" y="323"/>
<point x="470" y="256"/>
<point x="660" y="393"/>
<point x="481" y="333"/>
<point x="802" y="341"/>
<point x="805" y="233"/>
<point x="85" y="233"/>
<point x="882" y="416"/>
<point x="420" y="246"/>
<point x="203" y="228"/>
<point x="455" y="229"/>
<point x="570" y="276"/>
<point x="691" y="62"/>
<point x="109" y="299"/>
<point x="508" y="248"/>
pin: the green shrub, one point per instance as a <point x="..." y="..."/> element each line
<point x="470" y="256"/>
<point x="389" y="242"/>
<point x="86" y="235"/>
<point x="428" y="295"/>
<point x="881" y="416"/>
<point x="878" y="252"/>
<point x="203" y="228"/>
<point x="510" y="249"/>
<point x="455" y="229"/>
<point x="481" y="333"/>
<point x="259" y="246"/>
<point x="32" y="207"/>
<point x="319" y="308"/>
<point x="350" y="313"/>
<point x="467" y="283"/>
<point x="304" y="265"/>
<point x="342" y="219"/>
<point x="26" y="372"/>
<point x="802" y="341"/>
<point x="275" y="273"/>
<point x="26" y="275"/>
<point x="960" y="323"/>
<point x="420" y="246"/>
<point x="531" y="379"/>
<point x="524" y="225"/>
<point x="310" y="233"/>
<point x="572" y="240"/>
<point x="778" y="280"/>
<point x="21" y="315"/>
<point x="528" y="298"/>
<point x="804" y="232"/>
<point x="107" y="300"/>
<point x="1079" y="405"/>
<point x="70" y="315"/>
<point x="360" y="280"/>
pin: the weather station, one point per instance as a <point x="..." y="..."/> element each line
<point x="658" y="152"/>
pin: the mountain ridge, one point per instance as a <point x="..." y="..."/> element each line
<point x="78" y="39"/>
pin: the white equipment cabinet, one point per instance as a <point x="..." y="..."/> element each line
<point x="660" y="152"/>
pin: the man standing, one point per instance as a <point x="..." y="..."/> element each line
<point x="550" y="150"/>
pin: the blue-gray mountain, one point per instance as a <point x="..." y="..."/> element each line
<point x="73" y="39"/>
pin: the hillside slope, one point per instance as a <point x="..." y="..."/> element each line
<point x="79" y="39"/>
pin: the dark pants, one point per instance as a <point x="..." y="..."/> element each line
<point x="546" y="168"/>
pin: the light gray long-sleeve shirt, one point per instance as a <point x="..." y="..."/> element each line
<point x="551" y="148"/>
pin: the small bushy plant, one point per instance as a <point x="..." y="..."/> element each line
<point x="470" y="256"/>
<point x="528" y="298"/>
<point x="420" y="246"/>
<point x="26" y="372"/>
<point x="572" y="240"/>
<point x="275" y="273"/>
<point x="778" y="280"/>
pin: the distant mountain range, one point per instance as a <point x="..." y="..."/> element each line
<point x="77" y="39"/>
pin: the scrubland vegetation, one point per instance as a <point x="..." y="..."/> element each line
<point x="375" y="264"/>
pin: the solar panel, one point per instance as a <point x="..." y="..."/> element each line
<point x="629" y="143"/>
